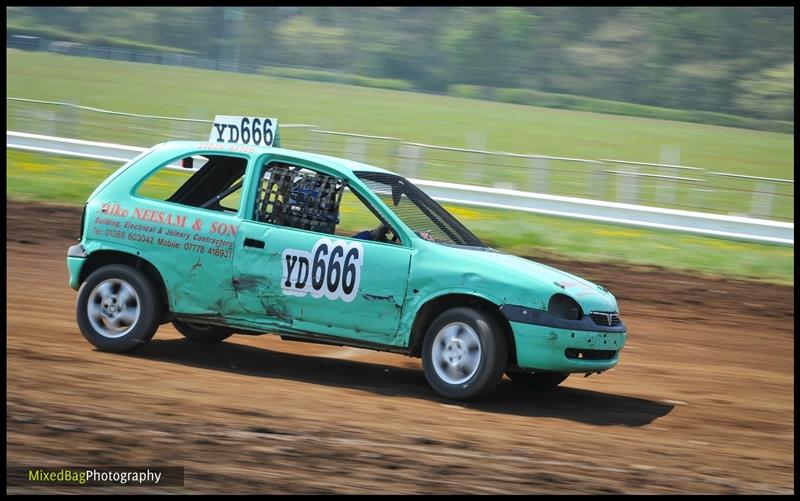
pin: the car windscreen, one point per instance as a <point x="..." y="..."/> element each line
<point x="418" y="211"/>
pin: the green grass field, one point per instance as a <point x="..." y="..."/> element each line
<point x="47" y="178"/>
<point x="186" y="92"/>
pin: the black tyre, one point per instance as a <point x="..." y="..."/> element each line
<point x="118" y="309"/>
<point x="538" y="380"/>
<point x="464" y="354"/>
<point x="202" y="333"/>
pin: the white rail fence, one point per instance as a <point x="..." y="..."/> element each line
<point x="714" y="225"/>
<point x="665" y="184"/>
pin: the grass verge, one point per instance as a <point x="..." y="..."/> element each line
<point x="53" y="179"/>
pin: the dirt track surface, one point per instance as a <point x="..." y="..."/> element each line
<point x="701" y="402"/>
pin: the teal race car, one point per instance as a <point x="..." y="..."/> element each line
<point x="227" y="236"/>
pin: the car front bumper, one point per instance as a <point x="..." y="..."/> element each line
<point x="547" y="348"/>
<point x="76" y="257"/>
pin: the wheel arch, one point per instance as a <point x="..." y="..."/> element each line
<point x="434" y="306"/>
<point x="100" y="258"/>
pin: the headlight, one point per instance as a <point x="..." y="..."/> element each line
<point x="562" y="306"/>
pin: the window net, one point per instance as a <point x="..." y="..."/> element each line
<point x="292" y="196"/>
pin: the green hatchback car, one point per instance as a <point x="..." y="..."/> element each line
<point x="222" y="239"/>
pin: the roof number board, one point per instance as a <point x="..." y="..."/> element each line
<point x="256" y="131"/>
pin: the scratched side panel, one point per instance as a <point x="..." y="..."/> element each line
<point x="497" y="277"/>
<point x="191" y="248"/>
<point x="274" y="284"/>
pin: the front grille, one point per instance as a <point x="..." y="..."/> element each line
<point x="582" y="354"/>
<point x="605" y="319"/>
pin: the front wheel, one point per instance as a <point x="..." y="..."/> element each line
<point x="464" y="354"/>
<point x="537" y="380"/>
<point x="118" y="308"/>
<point x="202" y="333"/>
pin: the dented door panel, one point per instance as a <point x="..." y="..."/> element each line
<point x="327" y="282"/>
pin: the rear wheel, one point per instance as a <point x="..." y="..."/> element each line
<point x="118" y="308"/>
<point x="202" y="333"/>
<point x="537" y="380"/>
<point x="464" y="354"/>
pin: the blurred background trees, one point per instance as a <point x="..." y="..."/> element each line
<point x="733" y="60"/>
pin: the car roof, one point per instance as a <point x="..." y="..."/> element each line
<point x="342" y="166"/>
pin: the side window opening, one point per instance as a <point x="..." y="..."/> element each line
<point x="297" y="197"/>
<point x="357" y="220"/>
<point x="293" y="196"/>
<point x="211" y="182"/>
<point x="418" y="211"/>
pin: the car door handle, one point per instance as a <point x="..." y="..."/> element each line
<point x="250" y="242"/>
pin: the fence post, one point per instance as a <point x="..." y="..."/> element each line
<point x="67" y="121"/>
<point x="596" y="181"/>
<point x="665" y="188"/>
<point x="186" y="130"/>
<point x="627" y="185"/>
<point x="203" y="128"/>
<point x="539" y="173"/>
<point x="46" y="121"/>
<point x="408" y="160"/>
<point x="315" y="140"/>
<point x="355" y="148"/>
<point x="696" y="195"/>
<point x="762" y="199"/>
<point x="179" y="129"/>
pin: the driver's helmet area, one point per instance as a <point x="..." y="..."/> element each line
<point x="297" y="197"/>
